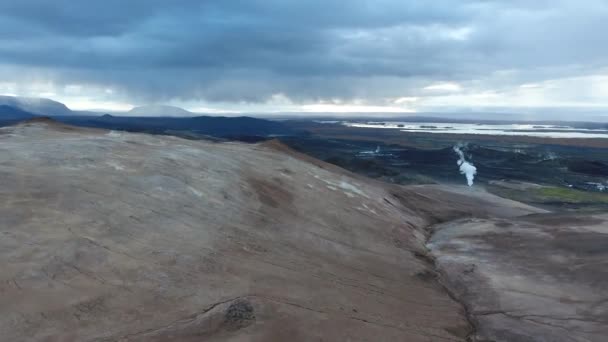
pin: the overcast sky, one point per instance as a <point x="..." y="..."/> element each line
<point x="309" y="56"/>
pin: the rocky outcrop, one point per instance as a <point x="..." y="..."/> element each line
<point x="541" y="277"/>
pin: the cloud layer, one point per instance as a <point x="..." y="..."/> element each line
<point x="445" y="53"/>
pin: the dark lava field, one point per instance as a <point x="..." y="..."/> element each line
<point x="570" y="176"/>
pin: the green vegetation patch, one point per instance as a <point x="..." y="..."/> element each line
<point x="567" y="195"/>
<point x="553" y="196"/>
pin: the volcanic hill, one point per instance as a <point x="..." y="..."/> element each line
<point x="113" y="236"/>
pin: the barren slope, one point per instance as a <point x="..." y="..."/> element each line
<point x="112" y="236"/>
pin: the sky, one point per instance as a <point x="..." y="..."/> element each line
<point x="314" y="56"/>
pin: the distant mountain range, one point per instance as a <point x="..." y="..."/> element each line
<point x="156" y="119"/>
<point x="48" y="107"/>
<point x="160" y="110"/>
<point x="35" y="105"/>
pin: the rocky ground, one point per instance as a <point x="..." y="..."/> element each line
<point x="108" y="236"/>
<point x="541" y="277"/>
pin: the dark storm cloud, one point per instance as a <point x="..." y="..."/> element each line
<point x="307" y="50"/>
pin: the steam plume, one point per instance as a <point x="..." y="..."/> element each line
<point x="466" y="168"/>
